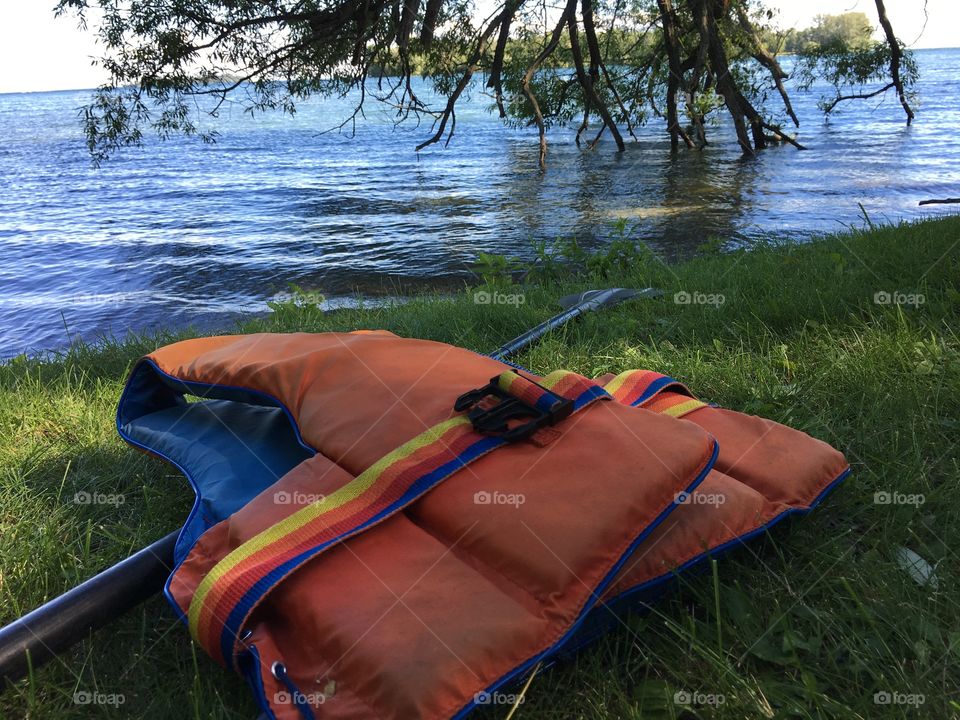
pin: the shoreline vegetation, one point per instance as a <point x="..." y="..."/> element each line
<point x="852" y="338"/>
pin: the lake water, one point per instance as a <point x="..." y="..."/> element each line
<point x="180" y="232"/>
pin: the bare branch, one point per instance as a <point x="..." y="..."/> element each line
<point x="763" y="56"/>
<point x="596" y="61"/>
<point x="532" y="68"/>
<point x="783" y="137"/>
<point x="496" y="69"/>
<point x="896" y="57"/>
<point x="671" y="43"/>
<point x="587" y="83"/>
<point x="471" y="68"/>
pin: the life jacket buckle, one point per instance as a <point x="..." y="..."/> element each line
<point x="495" y="419"/>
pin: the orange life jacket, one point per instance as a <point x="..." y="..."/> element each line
<point x="361" y="549"/>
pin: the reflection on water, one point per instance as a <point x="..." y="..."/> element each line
<point x="185" y="233"/>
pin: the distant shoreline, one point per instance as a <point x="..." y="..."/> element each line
<point x="92" y="89"/>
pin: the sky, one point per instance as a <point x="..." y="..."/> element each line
<point x="41" y="52"/>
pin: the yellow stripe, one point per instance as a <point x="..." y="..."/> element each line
<point x="615" y="384"/>
<point x="553" y="378"/>
<point x="507" y="379"/>
<point x="348" y="492"/>
<point x="682" y="408"/>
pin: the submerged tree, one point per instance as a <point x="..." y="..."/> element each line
<point x="850" y="59"/>
<point x="616" y="63"/>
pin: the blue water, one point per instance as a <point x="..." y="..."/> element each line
<point x="184" y="233"/>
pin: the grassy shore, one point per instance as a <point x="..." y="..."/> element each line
<point x="851" y="338"/>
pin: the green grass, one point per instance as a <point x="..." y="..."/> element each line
<point x="810" y="621"/>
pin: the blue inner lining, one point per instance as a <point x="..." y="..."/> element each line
<point x="234" y="448"/>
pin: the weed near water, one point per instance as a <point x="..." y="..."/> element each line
<point x="851" y="612"/>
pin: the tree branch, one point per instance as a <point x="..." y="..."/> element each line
<point x="896" y="56"/>
<point x="532" y="68"/>
<point x="781" y="136"/>
<point x="586" y="82"/>
<point x="671" y="43"/>
<point x="763" y="56"/>
<point x="828" y="108"/>
<point x="596" y="60"/>
<point x="448" y="111"/>
<point x="495" y="80"/>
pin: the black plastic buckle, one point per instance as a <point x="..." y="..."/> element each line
<point x="495" y="420"/>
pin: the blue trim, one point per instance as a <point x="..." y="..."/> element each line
<point x="658" y="386"/>
<point x="654" y="583"/>
<point x="255" y="680"/>
<point x="595" y="392"/>
<point x="730" y="544"/>
<point x="254" y="676"/>
<point x="503" y="360"/>
<point x="197" y="501"/>
<point x="596" y="592"/>
<point x="546" y="401"/>
<point x="129" y="395"/>
<point x="298" y="697"/>
<point x="224" y="392"/>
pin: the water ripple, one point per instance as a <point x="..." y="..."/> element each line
<point x="181" y="232"/>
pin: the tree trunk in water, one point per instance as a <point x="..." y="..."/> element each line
<point x="737" y="104"/>
<point x="593" y="45"/>
<point x="763" y="56"/>
<point x="596" y="61"/>
<point x="495" y="81"/>
<point x="568" y="12"/>
<point x="589" y="91"/>
<point x="696" y="83"/>
<point x="672" y="45"/>
<point x="896" y="56"/>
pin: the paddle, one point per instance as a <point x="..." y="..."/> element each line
<point x="576" y="305"/>
<point x="60" y="623"/>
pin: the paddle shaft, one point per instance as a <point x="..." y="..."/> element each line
<point x="60" y="623"/>
<point x="67" y="619"/>
<point x="533" y="334"/>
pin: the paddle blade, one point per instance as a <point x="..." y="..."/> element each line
<point x="613" y="296"/>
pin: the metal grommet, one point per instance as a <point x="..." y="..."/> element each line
<point x="246" y="635"/>
<point x="277" y="669"/>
